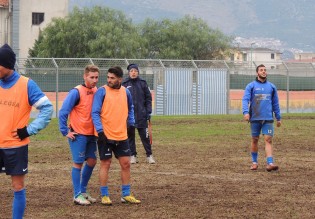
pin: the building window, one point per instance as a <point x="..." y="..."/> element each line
<point x="272" y="56"/>
<point x="37" y="18"/>
<point x="245" y="57"/>
<point x="232" y="57"/>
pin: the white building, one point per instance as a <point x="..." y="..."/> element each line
<point x="304" y="57"/>
<point x="5" y="27"/>
<point x="22" y="21"/>
<point x="247" y="54"/>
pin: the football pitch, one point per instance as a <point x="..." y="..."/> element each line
<point x="202" y="171"/>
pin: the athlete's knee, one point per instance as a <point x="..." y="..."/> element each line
<point x="125" y="165"/>
<point x="268" y="139"/>
<point x="255" y="140"/>
<point x="17" y="187"/>
<point x="17" y="183"/>
<point x="91" y="162"/>
<point x="105" y="164"/>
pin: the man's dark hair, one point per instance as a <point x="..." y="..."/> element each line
<point x="259" y="66"/>
<point x="116" y="70"/>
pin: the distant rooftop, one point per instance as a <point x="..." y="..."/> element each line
<point x="4" y="3"/>
<point x="257" y="49"/>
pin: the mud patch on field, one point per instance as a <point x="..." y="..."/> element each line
<point x="207" y="177"/>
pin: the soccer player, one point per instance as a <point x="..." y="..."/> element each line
<point x="112" y="111"/>
<point x="17" y="96"/>
<point x="260" y="106"/>
<point x="80" y="133"/>
<point x="142" y="101"/>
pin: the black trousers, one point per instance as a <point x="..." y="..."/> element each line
<point x="145" y="139"/>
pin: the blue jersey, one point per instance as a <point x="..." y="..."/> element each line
<point x="261" y="101"/>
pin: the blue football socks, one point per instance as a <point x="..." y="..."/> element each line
<point x="104" y="191"/>
<point x="269" y="160"/>
<point x="86" y="175"/>
<point x="125" y="190"/>
<point x="19" y="204"/>
<point x="254" y="157"/>
<point x="76" y="177"/>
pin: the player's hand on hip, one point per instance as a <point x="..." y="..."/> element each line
<point x="71" y="135"/>
<point x="14" y="134"/>
<point x="20" y="133"/>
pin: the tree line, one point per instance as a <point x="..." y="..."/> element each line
<point x="102" y="32"/>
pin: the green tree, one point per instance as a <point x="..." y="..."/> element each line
<point x="101" y="32"/>
<point x="97" y="32"/>
<point x="186" y="38"/>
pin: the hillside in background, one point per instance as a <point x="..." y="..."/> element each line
<point x="282" y="25"/>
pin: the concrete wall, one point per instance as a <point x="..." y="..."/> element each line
<point x="28" y="32"/>
<point x="4" y="25"/>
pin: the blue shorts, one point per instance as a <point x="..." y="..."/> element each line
<point x="83" y="147"/>
<point x="14" y="161"/>
<point x="119" y="148"/>
<point x="261" y="126"/>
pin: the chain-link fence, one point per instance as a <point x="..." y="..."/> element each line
<point x="182" y="87"/>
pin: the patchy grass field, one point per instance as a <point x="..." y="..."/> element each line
<point x="202" y="171"/>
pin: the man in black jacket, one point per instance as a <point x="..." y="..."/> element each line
<point x="142" y="101"/>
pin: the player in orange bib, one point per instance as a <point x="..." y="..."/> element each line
<point x="18" y="94"/>
<point x="80" y="133"/>
<point x="112" y="112"/>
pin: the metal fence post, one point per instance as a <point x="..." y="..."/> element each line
<point x="288" y="87"/>
<point x="197" y="97"/>
<point x="57" y="85"/>
<point x="164" y="88"/>
<point x="227" y="88"/>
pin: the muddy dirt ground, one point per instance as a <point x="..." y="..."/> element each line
<point x="201" y="177"/>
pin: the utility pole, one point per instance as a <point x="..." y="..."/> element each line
<point x="251" y="54"/>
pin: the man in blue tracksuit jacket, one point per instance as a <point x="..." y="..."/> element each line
<point x="260" y="106"/>
<point x="142" y="101"/>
